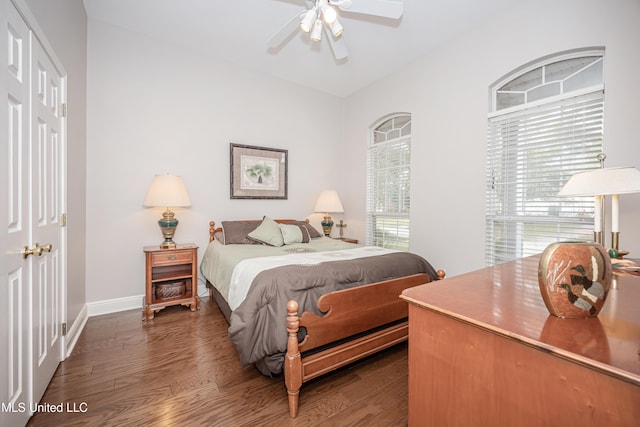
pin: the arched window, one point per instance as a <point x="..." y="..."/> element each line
<point x="545" y="124"/>
<point x="388" y="182"/>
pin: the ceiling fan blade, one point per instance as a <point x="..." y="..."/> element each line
<point x="338" y="46"/>
<point x="287" y="29"/>
<point x="385" y="8"/>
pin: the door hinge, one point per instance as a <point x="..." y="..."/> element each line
<point x="63" y="110"/>
<point x="63" y="220"/>
<point x="64" y="329"/>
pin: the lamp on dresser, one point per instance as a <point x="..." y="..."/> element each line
<point x="601" y="183"/>
<point x="328" y="202"/>
<point x="167" y="191"/>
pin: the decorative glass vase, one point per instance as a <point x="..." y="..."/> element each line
<point x="574" y="278"/>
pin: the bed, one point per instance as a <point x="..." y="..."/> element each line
<point x="306" y="304"/>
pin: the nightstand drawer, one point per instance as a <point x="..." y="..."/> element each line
<point x="173" y="257"/>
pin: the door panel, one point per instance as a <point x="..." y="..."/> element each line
<point x="14" y="292"/>
<point x="46" y="159"/>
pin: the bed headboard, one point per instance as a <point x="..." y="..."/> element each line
<point x="213" y="230"/>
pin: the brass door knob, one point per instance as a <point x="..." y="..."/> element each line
<point x="36" y="250"/>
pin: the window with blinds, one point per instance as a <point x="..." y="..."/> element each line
<point x="546" y="125"/>
<point x="388" y="183"/>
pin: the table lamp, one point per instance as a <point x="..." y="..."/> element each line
<point x="600" y="183"/>
<point x="167" y="191"/>
<point x="328" y="202"/>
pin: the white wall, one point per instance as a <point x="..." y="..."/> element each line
<point x="153" y="108"/>
<point x="447" y="94"/>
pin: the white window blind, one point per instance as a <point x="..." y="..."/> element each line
<point x="388" y="184"/>
<point x="532" y="153"/>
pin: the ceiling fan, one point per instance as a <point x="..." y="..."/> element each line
<point x="322" y="16"/>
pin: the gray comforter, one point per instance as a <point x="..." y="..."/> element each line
<point x="258" y="325"/>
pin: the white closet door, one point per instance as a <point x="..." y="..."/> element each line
<point x="15" y="363"/>
<point x="46" y="203"/>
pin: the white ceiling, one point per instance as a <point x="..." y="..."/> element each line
<point x="237" y="31"/>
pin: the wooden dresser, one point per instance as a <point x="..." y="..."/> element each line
<point x="484" y="350"/>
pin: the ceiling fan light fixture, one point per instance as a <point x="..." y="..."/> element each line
<point x="307" y="20"/>
<point x="316" y="34"/>
<point x="336" y="28"/>
<point x="321" y="15"/>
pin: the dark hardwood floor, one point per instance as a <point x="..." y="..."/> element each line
<point x="180" y="369"/>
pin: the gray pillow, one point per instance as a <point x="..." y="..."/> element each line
<point x="219" y="236"/>
<point x="236" y="232"/>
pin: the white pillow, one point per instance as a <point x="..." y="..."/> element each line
<point x="268" y="232"/>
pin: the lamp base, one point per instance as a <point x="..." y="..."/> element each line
<point x="327" y="224"/>
<point x="168" y="245"/>
<point x="168" y="224"/>
<point x="615" y="251"/>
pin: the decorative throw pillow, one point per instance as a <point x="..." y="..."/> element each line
<point x="292" y="233"/>
<point x="306" y="237"/>
<point x="235" y="232"/>
<point x="268" y="232"/>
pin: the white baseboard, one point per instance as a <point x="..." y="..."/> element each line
<point x="73" y="333"/>
<point x="122" y="304"/>
<point x="115" y="305"/>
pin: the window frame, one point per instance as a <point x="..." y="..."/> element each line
<point x="389" y="228"/>
<point x="508" y="174"/>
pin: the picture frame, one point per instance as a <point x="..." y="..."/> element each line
<point x="258" y="172"/>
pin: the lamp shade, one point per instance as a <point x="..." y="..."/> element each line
<point x="329" y="201"/>
<point x="603" y="181"/>
<point x="167" y="191"/>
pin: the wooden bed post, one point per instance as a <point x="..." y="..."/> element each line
<point x="293" y="362"/>
<point x="212" y="230"/>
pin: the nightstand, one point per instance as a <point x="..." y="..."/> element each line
<point x="171" y="278"/>
<point x="346" y="239"/>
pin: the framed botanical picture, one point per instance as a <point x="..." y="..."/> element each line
<point x="258" y="172"/>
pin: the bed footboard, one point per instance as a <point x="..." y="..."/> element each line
<point x="362" y="321"/>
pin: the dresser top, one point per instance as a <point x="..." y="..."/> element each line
<point x="506" y="300"/>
